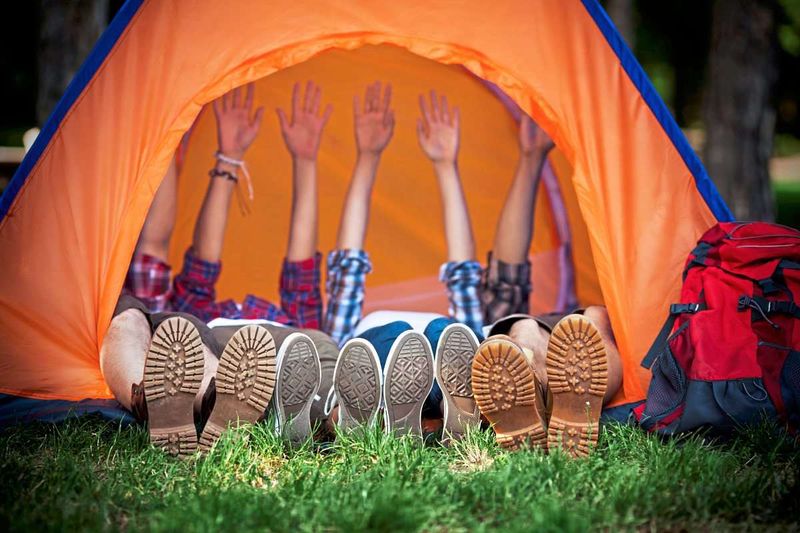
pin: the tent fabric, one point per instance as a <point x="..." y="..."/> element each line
<point x="405" y="201"/>
<point x="72" y="214"/>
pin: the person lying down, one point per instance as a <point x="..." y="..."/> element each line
<point x="190" y="377"/>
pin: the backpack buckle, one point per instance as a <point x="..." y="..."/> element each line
<point x="680" y="309"/>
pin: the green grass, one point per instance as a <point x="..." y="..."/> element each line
<point x="91" y="475"/>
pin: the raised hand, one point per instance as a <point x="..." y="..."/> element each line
<point x="533" y="139"/>
<point x="237" y="126"/>
<point x="438" y="129"/>
<point x="303" y="132"/>
<point x="374" y="123"/>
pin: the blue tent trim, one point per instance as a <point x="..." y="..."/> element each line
<point x="87" y="71"/>
<point x="640" y="80"/>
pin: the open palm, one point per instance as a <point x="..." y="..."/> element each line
<point x="237" y="126"/>
<point x="438" y="129"/>
<point x="303" y="132"/>
<point x="374" y="122"/>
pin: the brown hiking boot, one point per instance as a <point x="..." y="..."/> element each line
<point x="173" y="371"/>
<point x="505" y="390"/>
<point x="245" y="381"/>
<point x="577" y="374"/>
<point x="453" y="367"/>
<point x="297" y="383"/>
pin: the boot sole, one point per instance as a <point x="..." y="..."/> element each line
<point x="407" y="382"/>
<point x="245" y="382"/>
<point x="453" y="369"/>
<point x="357" y="381"/>
<point x="173" y="371"/>
<point x="505" y="391"/>
<point x="577" y="374"/>
<point x="298" y="378"/>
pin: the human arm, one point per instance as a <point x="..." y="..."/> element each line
<point x="157" y="230"/>
<point x="373" y="125"/>
<point x="514" y="232"/>
<point x="237" y="127"/>
<point x="302" y="134"/>
<point x="438" y="133"/>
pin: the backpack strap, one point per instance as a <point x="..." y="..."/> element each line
<point x="660" y="344"/>
<point x="768" y="307"/>
<point x="698" y="255"/>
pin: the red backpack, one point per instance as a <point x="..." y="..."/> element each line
<point x="729" y="353"/>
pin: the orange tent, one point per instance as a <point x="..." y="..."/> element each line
<point x="625" y="184"/>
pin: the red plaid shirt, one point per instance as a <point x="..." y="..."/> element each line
<point x="148" y="281"/>
<point x="193" y="291"/>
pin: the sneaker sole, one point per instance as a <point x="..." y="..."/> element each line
<point x="298" y="378"/>
<point x="245" y="381"/>
<point x="357" y="383"/>
<point x="577" y="374"/>
<point x="173" y="371"/>
<point x="408" y="379"/>
<point x="453" y="370"/>
<point x="505" y="391"/>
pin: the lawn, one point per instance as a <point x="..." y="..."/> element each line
<point x="89" y="474"/>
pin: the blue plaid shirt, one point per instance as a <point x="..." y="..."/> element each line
<point x="347" y="272"/>
<point x="463" y="282"/>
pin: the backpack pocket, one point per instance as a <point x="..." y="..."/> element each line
<point x="667" y="392"/>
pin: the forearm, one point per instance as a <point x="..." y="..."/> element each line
<point x="355" y="212"/>
<point x="303" y="225"/>
<point x="157" y="230"/>
<point x="457" y="224"/>
<point x="512" y="239"/>
<point x="209" y="230"/>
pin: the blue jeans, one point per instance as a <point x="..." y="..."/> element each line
<point x="382" y="338"/>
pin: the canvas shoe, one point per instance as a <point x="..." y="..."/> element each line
<point x="407" y="382"/>
<point x="505" y="391"/>
<point x="453" y="370"/>
<point x="297" y="383"/>
<point x="173" y="371"/>
<point x="577" y="377"/>
<point x="244" y="382"/>
<point x="357" y="381"/>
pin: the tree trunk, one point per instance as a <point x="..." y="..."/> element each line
<point x="739" y="110"/>
<point x="621" y="12"/>
<point x="68" y="32"/>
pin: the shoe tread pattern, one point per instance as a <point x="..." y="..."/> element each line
<point x="247" y="367"/>
<point x="358" y="379"/>
<point x="501" y="378"/>
<point x="456" y="366"/>
<point x="412" y="374"/>
<point x="576" y="359"/>
<point x="577" y="370"/>
<point x="174" y="361"/>
<point x="299" y="374"/>
<point x="173" y="373"/>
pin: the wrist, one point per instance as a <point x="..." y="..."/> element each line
<point x="443" y="166"/>
<point x="304" y="167"/>
<point x="227" y="167"/>
<point x="303" y="160"/>
<point x="231" y="153"/>
<point x="368" y="157"/>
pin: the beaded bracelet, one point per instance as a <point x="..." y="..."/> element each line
<point x="240" y="164"/>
